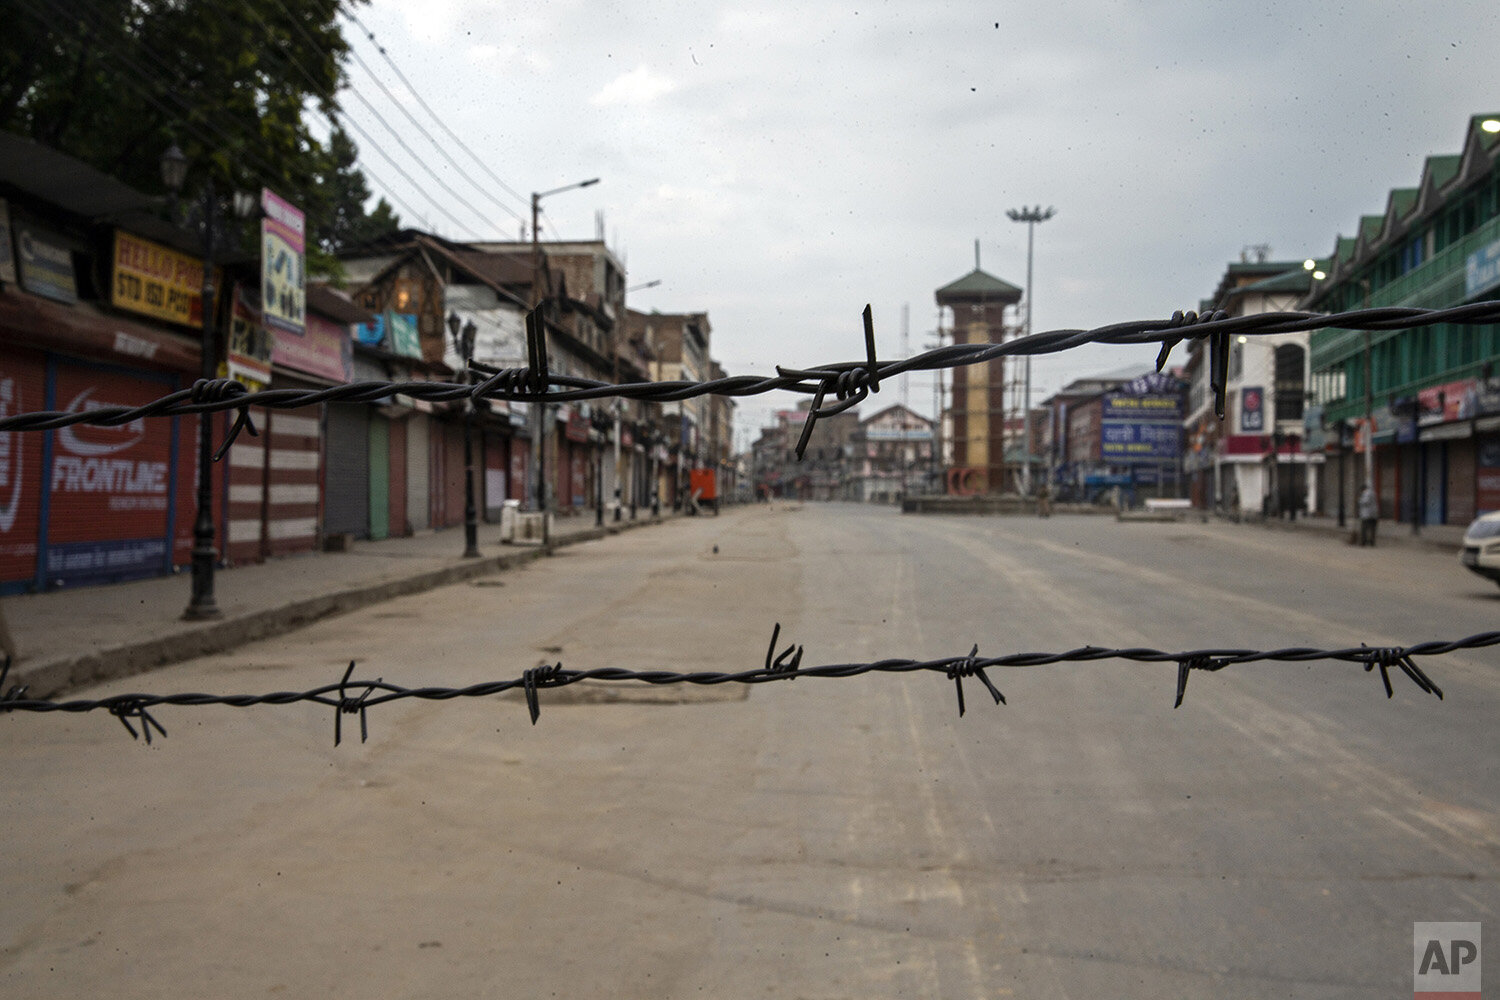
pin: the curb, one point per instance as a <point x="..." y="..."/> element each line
<point x="52" y="677"/>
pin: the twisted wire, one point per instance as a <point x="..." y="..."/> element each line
<point x="848" y="381"/>
<point x="786" y="666"/>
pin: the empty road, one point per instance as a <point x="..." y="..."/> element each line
<point x="1275" y="836"/>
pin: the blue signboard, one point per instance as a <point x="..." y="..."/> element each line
<point x="1124" y="443"/>
<point x="1142" y="422"/>
<point x="1482" y="270"/>
<point x="372" y="333"/>
<point x="76" y="563"/>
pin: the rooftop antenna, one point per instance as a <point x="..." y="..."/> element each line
<point x="976" y="255"/>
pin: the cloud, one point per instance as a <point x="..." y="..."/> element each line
<point x="639" y="86"/>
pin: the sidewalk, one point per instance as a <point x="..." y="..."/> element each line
<point x="1442" y="537"/>
<point x="69" y="638"/>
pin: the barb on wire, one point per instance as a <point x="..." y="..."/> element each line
<point x="134" y="707"/>
<point x="1189" y="663"/>
<point x="1386" y="658"/>
<point x="849" y="381"/>
<point x="850" y="386"/>
<point x="350" y="706"/>
<point x="785" y="666"/>
<point x="219" y="390"/>
<point x="969" y="667"/>
<point x="541" y="675"/>
<point x="787" y="663"/>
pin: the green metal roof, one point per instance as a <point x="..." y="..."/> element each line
<point x="1298" y="279"/>
<point x="1442" y="168"/>
<point x="978" y="286"/>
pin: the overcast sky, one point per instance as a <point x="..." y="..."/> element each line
<point x="780" y="167"/>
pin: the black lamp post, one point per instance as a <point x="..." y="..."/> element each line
<point x="174" y="166"/>
<point x="463" y="343"/>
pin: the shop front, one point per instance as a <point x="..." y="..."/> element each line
<point x="88" y="504"/>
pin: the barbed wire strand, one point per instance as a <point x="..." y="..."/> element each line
<point x="850" y="382"/>
<point x="783" y="667"/>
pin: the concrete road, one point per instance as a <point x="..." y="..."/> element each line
<point x="1276" y="836"/>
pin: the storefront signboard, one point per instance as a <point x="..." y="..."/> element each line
<point x="156" y="281"/>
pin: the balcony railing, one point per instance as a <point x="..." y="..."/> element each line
<point x="1436" y="284"/>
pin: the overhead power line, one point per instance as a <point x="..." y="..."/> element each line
<point x="380" y="147"/>
<point x="350" y="15"/>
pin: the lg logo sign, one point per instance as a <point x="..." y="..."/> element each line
<point x="1445" y="961"/>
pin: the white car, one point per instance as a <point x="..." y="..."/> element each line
<point x="1481" y="551"/>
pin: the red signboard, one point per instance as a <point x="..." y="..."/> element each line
<point x="578" y="427"/>
<point x="324" y="348"/>
<point x="517" y="470"/>
<point x="109" y="486"/>
<point x="22" y="379"/>
<point x="1447" y="403"/>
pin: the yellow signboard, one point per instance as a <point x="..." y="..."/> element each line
<point x="156" y="280"/>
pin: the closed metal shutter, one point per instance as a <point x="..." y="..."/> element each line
<point x="347" y="504"/>
<point x="380" y="477"/>
<point x="108" y="508"/>
<point x="22" y="390"/>
<point x="292" y="440"/>
<point x="400" y="524"/>
<point x="418" y="472"/>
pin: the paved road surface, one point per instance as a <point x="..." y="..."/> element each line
<point x="1276" y="836"/>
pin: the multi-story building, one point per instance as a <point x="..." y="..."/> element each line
<point x="415" y="283"/>
<point x="1254" y="461"/>
<point x="892" y="455"/>
<point x="826" y="469"/>
<point x="720" y="450"/>
<point x="585" y="282"/>
<point x="680" y="346"/>
<point x="1416" y="412"/>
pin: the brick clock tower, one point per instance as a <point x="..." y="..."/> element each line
<point x="978" y="301"/>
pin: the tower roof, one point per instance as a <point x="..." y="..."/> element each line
<point x="978" y="286"/>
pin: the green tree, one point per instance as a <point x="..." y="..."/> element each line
<point x="243" y="87"/>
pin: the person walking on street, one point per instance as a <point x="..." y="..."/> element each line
<point x="1043" y="501"/>
<point x="1369" y="511"/>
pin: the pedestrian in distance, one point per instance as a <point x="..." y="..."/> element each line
<point x="1043" y="501"/>
<point x="1369" y="512"/>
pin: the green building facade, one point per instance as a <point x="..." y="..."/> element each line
<point x="1429" y="394"/>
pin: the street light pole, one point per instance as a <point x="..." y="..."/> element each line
<point x="202" y="605"/>
<point x="1030" y="216"/>
<point x="463" y="343"/>
<point x="539" y="414"/>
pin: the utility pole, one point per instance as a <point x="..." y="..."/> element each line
<point x="539" y="414"/>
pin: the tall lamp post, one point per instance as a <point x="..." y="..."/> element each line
<point x="463" y="343"/>
<point x="174" y="165"/>
<point x="539" y="414"/>
<point x="1030" y="216"/>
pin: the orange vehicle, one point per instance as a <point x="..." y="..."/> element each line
<point x="703" y="486"/>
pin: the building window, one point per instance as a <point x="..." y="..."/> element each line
<point x="1290" y="361"/>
